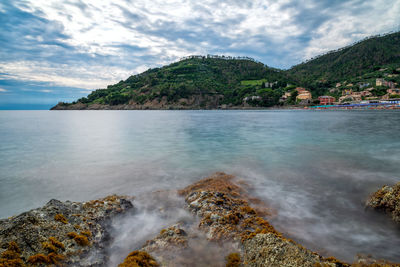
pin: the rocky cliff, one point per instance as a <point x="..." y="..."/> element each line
<point x="192" y="102"/>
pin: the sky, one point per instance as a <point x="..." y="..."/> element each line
<point x="53" y="51"/>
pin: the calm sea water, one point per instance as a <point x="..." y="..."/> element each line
<point x="315" y="168"/>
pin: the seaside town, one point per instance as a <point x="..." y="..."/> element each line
<point x="365" y="97"/>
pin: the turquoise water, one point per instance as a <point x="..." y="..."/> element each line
<point x="315" y="168"/>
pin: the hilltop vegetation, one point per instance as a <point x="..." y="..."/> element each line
<point x="196" y="81"/>
<point x="347" y="63"/>
<point x="199" y="82"/>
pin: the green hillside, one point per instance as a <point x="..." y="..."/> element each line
<point x="212" y="81"/>
<point x="363" y="57"/>
<point x="231" y="79"/>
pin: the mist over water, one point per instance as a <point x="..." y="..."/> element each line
<point x="315" y="168"/>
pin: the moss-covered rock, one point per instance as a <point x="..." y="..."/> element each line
<point x="270" y="250"/>
<point x="48" y="235"/>
<point x="226" y="213"/>
<point x="387" y="199"/>
<point x="224" y="209"/>
<point x="139" y="258"/>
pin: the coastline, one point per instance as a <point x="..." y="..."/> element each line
<point x="80" y="106"/>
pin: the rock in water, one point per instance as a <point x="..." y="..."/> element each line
<point x="226" y="213"/>
<point x="71" y="233"/>
<point x="387" y="199"/>
<point x="234" y="222"/>
<point x="268" y="250"/>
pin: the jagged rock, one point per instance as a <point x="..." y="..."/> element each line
<point x="270" y="250"/>
<point x="173" y="237"/>
<point x="387" y="199"/>
<point x="170" y="242"/>
<point x="224" y="209"/>
<point x="229" y="215"/>
<point x="183" y="245"/>
<point x="225" y="212"/>
<point x="76" y="233"/>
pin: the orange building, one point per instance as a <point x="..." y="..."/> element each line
<point x="326" y="100"/>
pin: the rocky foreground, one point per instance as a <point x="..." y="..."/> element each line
<point x="231" y="229"/>
<point x="230" y="218"/>
<point x="61" y="233"/>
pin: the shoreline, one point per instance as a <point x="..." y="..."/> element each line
<point x="372" y="106"/>
<point x="234" y="109"/>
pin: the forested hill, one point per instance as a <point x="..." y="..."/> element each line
<point x="201" y="82"/>
<point x="349" y="62"/>
<point x="194" y="82"/>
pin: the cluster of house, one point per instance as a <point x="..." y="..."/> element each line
<point x="303" y="96"/>
<point x="349" y="95"/>
<point x="382" y="82"/>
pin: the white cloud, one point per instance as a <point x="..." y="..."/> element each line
<point x="46" y="91"/>
<point x="3" y="90"/>
<point x="92" y="77"/>
<point x="379" y="16"/>
<point x="278" y="32"/>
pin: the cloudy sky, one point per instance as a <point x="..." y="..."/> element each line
<point x="59" y="50"/>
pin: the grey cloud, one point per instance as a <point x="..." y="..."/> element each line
<point x="214" y="27"/>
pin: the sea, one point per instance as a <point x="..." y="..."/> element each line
<point x="315" y="168"/>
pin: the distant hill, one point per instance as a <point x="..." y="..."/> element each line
<point x="349" y="62"/>
<point x="202" y="82"/>
<point x="194" y="82"/>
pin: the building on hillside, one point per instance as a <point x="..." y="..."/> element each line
<point x="390" y="84"/>
<point x="382" y="82"/>
<point x="362" y="85"/>
<point x="285" y="96"/>
<point x="393" y="91"/>
<point x="300" y="89"/>
<point x="326" y="100"/>
<point x="338" y="85"/>
<point x="355" y="97"/>
<point x="347" y="92"/>
<point x="366" y="93"/>
<point x="304" y="95"/>
<point x="254" y="97"/>
<point x="269" y="85"/>
<point x="379" y="82"/>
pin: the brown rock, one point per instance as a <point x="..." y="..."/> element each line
<point x="387" y="199"/>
